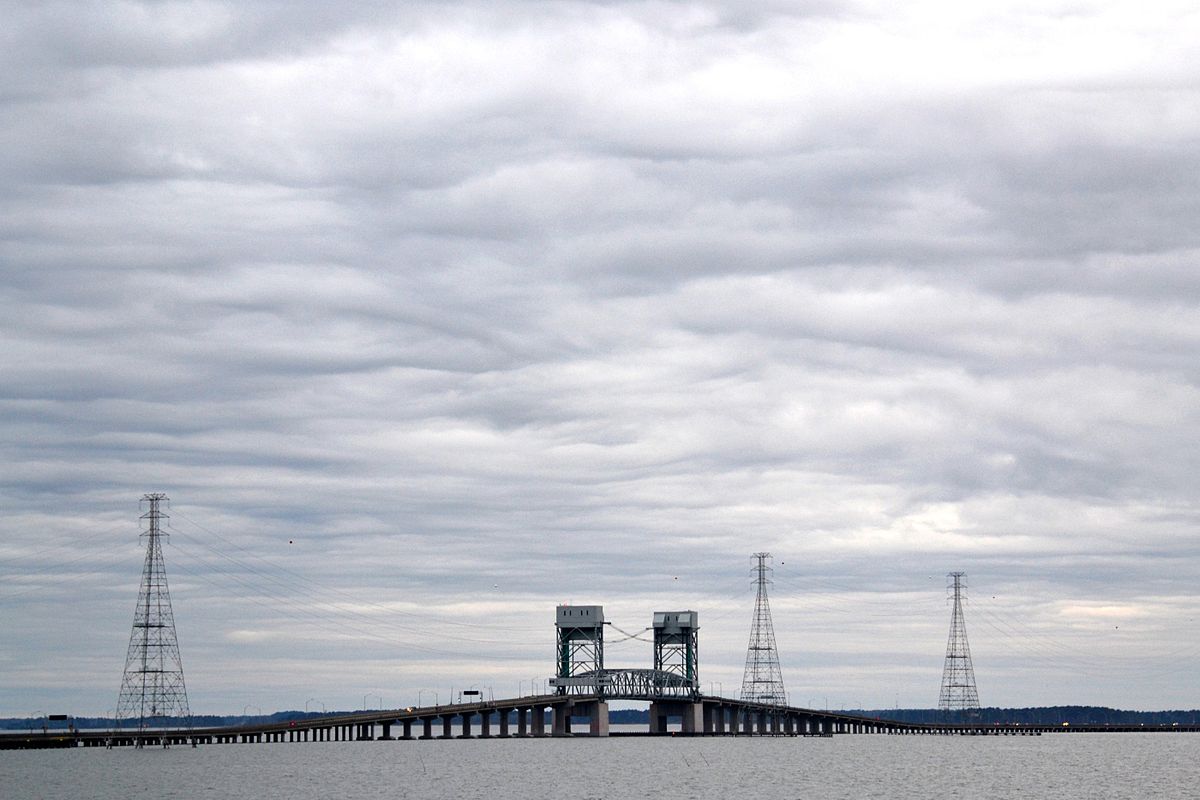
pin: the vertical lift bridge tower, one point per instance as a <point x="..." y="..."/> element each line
<point x="579" y="662"/>
<point x="676" y="651"/>
<point x="676" y="645"/>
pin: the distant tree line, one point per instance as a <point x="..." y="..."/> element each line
<point x="1047" y="715"/>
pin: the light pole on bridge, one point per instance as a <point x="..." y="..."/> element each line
<point x="314" y="700"/>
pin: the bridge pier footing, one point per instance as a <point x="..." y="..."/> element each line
<point x="691" y="714"/>
<point x="538" y="721"/>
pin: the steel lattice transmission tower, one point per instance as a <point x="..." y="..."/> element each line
<point x="152" y="690"/>
<point x="958" y="676"/>
<point x="762" y="682"/>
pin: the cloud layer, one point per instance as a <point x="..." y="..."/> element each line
<point x="431" y="317"/>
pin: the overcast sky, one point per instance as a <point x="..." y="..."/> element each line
<point x="430" y="316"/>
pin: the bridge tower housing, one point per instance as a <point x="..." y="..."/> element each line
<point x="579" y="655"/>
<point x="677" y="645"/>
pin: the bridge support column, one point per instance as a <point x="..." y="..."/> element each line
<point x="386" y="736"/>
<point x="427" y="728"/>
<point x="599" y="726"/>
<point x="658" y="718"/>
<point x="691" y="715"/>
<point x="504" y="722"/>
<point x="538" y="721"/>
<point x="447" y="719"/>
<point x="466" y="725"/>
<point x="406" y="726"/>
<point x="485" y="724"/>
<point x="561" y="720"/>
<point x="522" y="722"/>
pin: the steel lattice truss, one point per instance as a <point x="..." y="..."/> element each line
<point x="958" y="676"/>
<point x="152" y="689"/>
<point x="628" y="684"/>
<point x="762" y="681"/>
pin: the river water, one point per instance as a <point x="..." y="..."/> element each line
<point x="1150" y="765"/>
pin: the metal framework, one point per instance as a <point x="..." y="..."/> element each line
<point x="762" y="681"/>
<point x="646" y="684"/>
<point x="677" y="645"/>
<point x="628" y="684"/>
<point x="958" y="694"/>
<point x="580" y="649"/>
<point x="152" y="689"/>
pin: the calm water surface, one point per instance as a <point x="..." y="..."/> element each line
<point x="1159" y="765"/>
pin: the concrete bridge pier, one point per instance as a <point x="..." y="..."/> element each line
<point x="465" y="717"/>
<point x="595" y="710"/>
<point x="560" y="719"/>
<point x="691" y="715"/>
<point x="538" y="720"/>
<point x="485" y="724"/>
<point x="447" y="721"/>
<point x="426" y="727"/>
<point x="522" y="722"/>
<point x="504" y="723"/>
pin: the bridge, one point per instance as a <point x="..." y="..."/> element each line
<point x="544" y="716"/>
<point x="583" y="686"/>
<point x="538" y="716"/>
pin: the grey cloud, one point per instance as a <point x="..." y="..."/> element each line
<point x="438" y="313"/>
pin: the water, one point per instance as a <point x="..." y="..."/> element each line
<point x="1154" y="765"/>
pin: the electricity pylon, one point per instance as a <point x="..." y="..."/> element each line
<point x="152" y="689"/>
<point x="958" y="694"/>
<point x="762" y="681"/>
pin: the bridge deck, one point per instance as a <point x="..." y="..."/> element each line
<point x="527" y="717"/>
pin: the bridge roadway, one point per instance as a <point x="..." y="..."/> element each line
<point x="527" y="717"/>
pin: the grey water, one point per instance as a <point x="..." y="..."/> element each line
<point x="1099" y="765"/>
